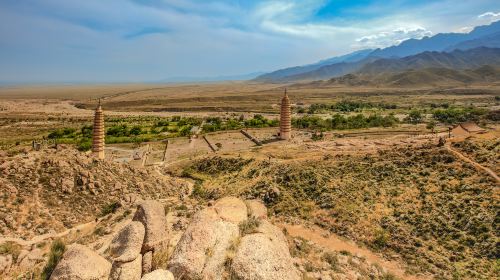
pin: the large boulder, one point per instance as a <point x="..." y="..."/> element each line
<point x="231" y="209"/>
<point x="256" y="209"/>
<point x="158" y="274"/>
<point x="152" y="215"/>
<point x="127" y="271"/>
<point x="264" y="255"/>
<point x="201" y="251"/>
<point x="127" y="244"/>
<point x="81" y="263"/>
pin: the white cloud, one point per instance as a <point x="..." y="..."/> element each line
<point x="489" y="16"/>
<point x="394" y="37"/>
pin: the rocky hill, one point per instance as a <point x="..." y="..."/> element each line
<point x="229" y="239"/>
<point x="54" y="189"/>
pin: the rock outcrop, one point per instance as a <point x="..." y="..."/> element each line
<point x="152" y="215"/>
<point x="81" y="263"/>
<point x="127" y="244"/>
<point x="231" y="209"/>
<point x="127" y="270"/>
<point x="256" y="209"/>
<point x="264" y="255"/>
<point x="158" y="274"/>
<point x="5" y="263"/>
<point x="202" y="250"/>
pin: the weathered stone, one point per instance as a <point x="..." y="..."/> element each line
<point x="256" y="209"/>
<point x="30" y="258"/>
<point x="81" y="263"/>
<point x="127" y="244"/>
<point x="152" y="215"/>
<point x="67" y="185"/>
<point x="127" y="271"/>
<point x="147" y="262"/>
<point x="264" y="255"/>
<point x="158" y="274"/>
<point x="5" y="263"/>
<point x="231" y="209"/>
<point x="201" y="251"/>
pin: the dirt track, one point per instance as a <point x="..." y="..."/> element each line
<point x="333" y="242"/>
<point x="476" y="165"/>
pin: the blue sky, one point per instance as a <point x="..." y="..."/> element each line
<point x="147" y="40"/>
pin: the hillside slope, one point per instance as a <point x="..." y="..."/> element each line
<point x="416" y="78"/>
<point x="421" y="203"/>
<point x="457" y="59"/>
<point x="52" y="190"/>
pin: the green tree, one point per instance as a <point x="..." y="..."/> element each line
<point x="414" y="117"/>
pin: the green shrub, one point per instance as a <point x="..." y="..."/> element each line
<point x="249" y="226"/>
<point x="56" y="252"/>
<point x="456" y="115"/>
<point x="331" y="259"/>
<point x="10" y="248"/>
<point x="84" y="145"/>
<point x="414" y="117"/>
<point x="381" y="239"/>
<point x="110" y="208"/>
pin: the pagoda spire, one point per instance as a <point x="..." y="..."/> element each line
<point x="285" y="118"/>
<point x="98" y="132"/>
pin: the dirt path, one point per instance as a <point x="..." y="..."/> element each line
<point x="40" y="238"/>
<point x="332" y="242"/>
<point x="474" y="163"/>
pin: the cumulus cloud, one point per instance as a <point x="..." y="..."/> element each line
<point x="394" y="37"/>
<point x="489" y="16"/>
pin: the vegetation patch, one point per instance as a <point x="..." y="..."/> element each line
<point x="249" y="226"/>
<point x="436" y="212"/>
<point x="55" y="255"/>
<point x="110" y="208"/>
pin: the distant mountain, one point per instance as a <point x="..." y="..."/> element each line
<point x="329" y="71"/>
<point x="241" y="77"/>
<point x="414" y="78"/>
<point x="481" y="36"/>
<point x="297" y="70"/>
<point x="490" y="41"/>
<point x="457" y="59"/>
<point x="439" y="42"/>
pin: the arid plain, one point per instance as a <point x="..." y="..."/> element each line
<point x="368" y="187"/>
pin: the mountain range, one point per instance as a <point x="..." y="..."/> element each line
<point x="444" y="50"/>
<point x="433" y="76"/>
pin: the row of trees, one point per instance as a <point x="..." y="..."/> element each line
<point x="339" y="121"/>
<point x="345" y="106"/>
<point x="258" y="121"/>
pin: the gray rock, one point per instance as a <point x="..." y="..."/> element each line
<point x="81" y="263"/>
<point x="152" y="215"/>
<point x="158" y="274"/>
<point x="127" y="244"/>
